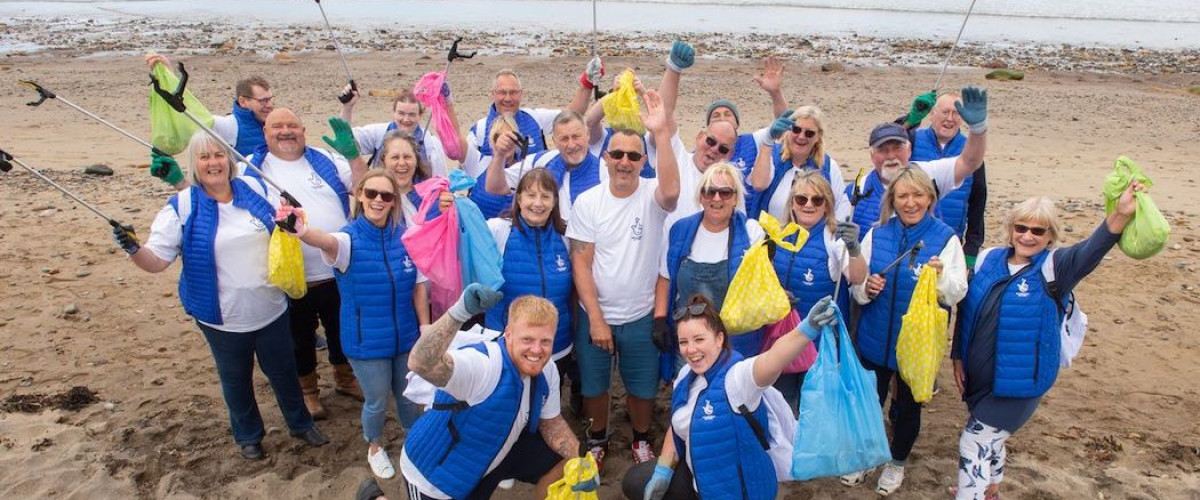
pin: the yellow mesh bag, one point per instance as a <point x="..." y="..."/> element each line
<point x="621" y="106"/>
<point x="285" y="264"/>
<point x="755" y="297"/>
<point x="922" y="341"/>
<point x="577" y="470"/>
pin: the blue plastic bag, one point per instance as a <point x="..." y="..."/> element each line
<point x="841" y="423"/>
<point x="477" y="251"/>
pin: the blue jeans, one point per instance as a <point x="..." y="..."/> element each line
<point x="378" y="378"/>
<point x="637" y="354"/>
<point x="234" y="354"/>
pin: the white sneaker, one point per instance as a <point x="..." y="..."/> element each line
<point x="507" y="484"/>
<point x="642" y="452"/>
<point x="890" y="479"/>
<point x="381" y="465"/>
<point x="855" y="478"/>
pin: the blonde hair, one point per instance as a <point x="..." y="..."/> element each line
<point x="1038" y="209"/>
<point x="356" y="204"/>
<point x="722" y="168"/>
<point x="536" y="311"/>
<point x="913" y="177"/>
<point x="818" y="151"/>
<point x="200" y="142"/>
<point x="816" y="180"/>
<point x="502" y="122"/>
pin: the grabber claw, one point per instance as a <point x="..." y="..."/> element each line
<point x="5" y="161"/>
<point x="43" y="93"/>
<point x="455" y="54"/>
<point x="289" y="224"/>
<point x="175" y="98"/>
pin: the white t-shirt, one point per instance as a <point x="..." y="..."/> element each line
<point x="740" y="389"/>
<point x="628" y="236"/>
<point x="248" y="300"/>
<point x="476" y="137"/>
<point x="227" y="128"/>
<point x="689" y="185"/>
<point x="320" y="203"/>
<point x="942" y="173"/>
<point x="709" y="247"/>
<point x="513" y="173"/>
<point x="781" y="200"/>
<point x="473" y="380"/>
<point x="370" y="141"/>
<point x="342" y="261"/>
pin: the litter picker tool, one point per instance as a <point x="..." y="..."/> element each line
<point x="6" y="161"/>
<point x="451" y="55"/>
<point x="344" y="98"/>
<point x="596" y="92"/>
<point x="938" y="83"/>
<point x="837" y="287"/>
<point x="44" y="93"/>
<point x="911" y="255"/>
<point x="175" y="100"/>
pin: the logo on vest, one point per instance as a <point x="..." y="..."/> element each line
<point x="316" y="181"/>
<point x="708" y="410"/>
<point x="1023" y="288"/>
<point x="560" y="263"/>
<point x="407" y="264"/>
<point x="259" y="227"/>
<point x="808" y="277"/>
<point x="636" y="229"/>
<point x="916" y="273"/>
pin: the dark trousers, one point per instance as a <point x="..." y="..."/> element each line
<point x="529" y="459"/>
<point x="234" y="355"/>
<point x="906" y="424"/>
<point x="320" y="306"/>
<point x="634" y="483"/>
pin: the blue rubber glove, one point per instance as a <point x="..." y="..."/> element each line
<point x="587" y="486"/>
<point x="343" y="139"/>
<point x="782" y="125"/>
<point x="446" y="89"/>
<point x="656" y="488"/>
<point x="973" y="109"/>
<point x="475" y="299"/>
<point x="822" y="313"/>
<point x="682" y="56"/>
<point x="166" y="168"/>
<point x="126" y="238"/>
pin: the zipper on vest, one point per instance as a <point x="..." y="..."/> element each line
<point x="742" y="480"/>
<point x="537" y="240"/>
<point x="391" y="283"/>
<point x="358" y="324"/>
<point x="892" y="310"/>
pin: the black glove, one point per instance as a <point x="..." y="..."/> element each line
<point x="126" y="239"/>
<point x="663" y="338"/>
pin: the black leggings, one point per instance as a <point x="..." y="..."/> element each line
<point x="634" y="482"/>
<point x="907" y="423"/>
<point x="320" y="306"/>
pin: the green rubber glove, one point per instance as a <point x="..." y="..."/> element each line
<point x="343" y="141"/>
<point x="166" y="168"/>
<point x="921" y="106"/>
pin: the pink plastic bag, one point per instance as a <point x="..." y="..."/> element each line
<point x="433" y="247"/>
<point x="428" y="90"/>
<point x="773" y="332"/>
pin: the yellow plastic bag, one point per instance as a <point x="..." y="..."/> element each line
<point x="621" y="106"/>
<point x="755" y="297"/>
<point x="576" y="471"/>
<point x="922" y="341"/>
<point x="285" y="264"/>
<point x="170" y="131"/>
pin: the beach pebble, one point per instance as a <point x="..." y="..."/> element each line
<point x="1176" y="247"/>
<point x="98" y="169"/>
<point x="49" y="270"/>
<point x="108" y="405"/>
<point x="71" y="308"/>
<point x="1182" y="264"/>
<point x="832" y="67"/>
<point x="1005" y="74"/>
<point x="1068" y="228"/>
<point x="41" y="208"/>
<point x="1118" y="321"/>
<point x="26" y="382"/>
<point x="82" y="273"/>
<point x="46" y="213"/>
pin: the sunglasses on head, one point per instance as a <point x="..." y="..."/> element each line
<point x="619" y="155"/>
<point x="712" y="193"/>
<point x="384" y="196"/>
<point x="690" y="311"/>
<point x="712" y="142"/>
<point x="802" y="200"/>
<point x="1022" y="229"/>
<point x="808" y="134"/>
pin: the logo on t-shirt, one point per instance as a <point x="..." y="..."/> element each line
<point x="1022" y="289"/>
<point x="808" y="277"/>
<point x="636" y="229"/>
<point x="316" y="181"/>
<point x="560" y="263"/>
<point x="708" y="410"/>
<point x="259" y="227"/>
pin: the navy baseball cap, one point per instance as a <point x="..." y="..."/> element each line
<point x="887" y="132"/>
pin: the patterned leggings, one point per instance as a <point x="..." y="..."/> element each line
<point x="981" y="454"/>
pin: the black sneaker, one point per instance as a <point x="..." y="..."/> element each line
<point x="312" y="436"/>
<point x="252" y="451"/>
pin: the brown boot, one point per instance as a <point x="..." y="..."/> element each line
<point x="311" y="390"/>
<point x="345" y="383"/>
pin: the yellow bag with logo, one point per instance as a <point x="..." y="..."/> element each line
<point x="577" y="471"/>
<point x="922" y="341"/>
<point x="621" y="105"/>
<point x="285" y="264"/>
<point x="755" y="296"/>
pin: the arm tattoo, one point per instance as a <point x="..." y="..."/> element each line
<point x="429" y="357"/>
<point x="558" y="437"/>
<point x="580" y="246"/>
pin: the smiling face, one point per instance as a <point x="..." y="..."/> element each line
<point x="260" y="101"/>
<point x="718" y="199"/>
<point x="284" y="134"/>
<point x="719" y="136"/>
<point x="944" y="118"/>
<point x="1025" y="242"/>
<point x="529" y="345"/>
<point x="699" y="346"/>
<point x="536" y="204"/>
<point x="623" y="172"/>
<point x="910" y="201"/>
<point x="889" y="157"/>
<point x="506" y="94"/>
<point x="372" y="195"/>
<point x="814" y="207"/>
<point x="571" y="140"/>
<point x="406" y="116"/>
<point x="800" y="145"/>
<point x="401" y="160"/>
<point x="212" y="166"/>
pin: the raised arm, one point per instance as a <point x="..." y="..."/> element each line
<point x="973" y="110"/>
<point x="593" y="120"/>
<point x="682" y="57"/>
<point x="429" y="358"/>
<point x="505" y="146"/>
<point x="588" y="79"/>
<point x="344" y="143"/>
<point x="771" y="81"/>
<point x="768" y="365"/>
<point x="662" y="126"/>
<point x="462" y="138"/>
<point x="141" y="257"/>
<point x="314" y="237"/>
<point x="348" y="106"/>
<point x="764" y="164"/>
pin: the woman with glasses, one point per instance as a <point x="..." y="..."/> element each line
<point x="384" y="300"/>
<point x="704" y="251"/>
<point x="723" y="412"/>
<point x="801" y="146"/>
<point x="1006" y="349"/>
<point x="831" y="251"/>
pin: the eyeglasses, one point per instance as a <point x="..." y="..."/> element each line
<point x="1022" y="229"/>
<point x="712" y="143"/>
<point x="507" y="93"/>
<point x="802" y="200"/>
<point x="619" y="155"/>
<point x="718" y="193"/>
<point x="262" y="101"/>
<point x="808" y="134"/>
<point x="689" y="311"/>
<point x="384" y="196"/>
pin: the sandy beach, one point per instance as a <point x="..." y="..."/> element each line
<point x="1119" y="424"/>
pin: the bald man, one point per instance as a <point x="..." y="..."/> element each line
<point x="321" y="181"/>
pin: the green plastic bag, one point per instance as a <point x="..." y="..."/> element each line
<point x="1148" y="231"/>
<point x="170" y="131"/>
<point x="621" y="106"/>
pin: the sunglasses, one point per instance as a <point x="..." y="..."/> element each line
<point x="715" y="193"/>
<point x="689" y="311"/>
<point x="712" y="143"/>
<point x="1022" y="229"/>
<point x="619" y="155"/>
<point x="384" y="196"/>
<point x="802" y="200"/>
<point x="808" y="134"/>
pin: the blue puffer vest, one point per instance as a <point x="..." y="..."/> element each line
<point x="378" y="318"/>
<point x="781" y="168"/>
<point x="806" y="273"/>
<point x="198" y="287"/>
<point x="453" y="443"/>
<point x="952" y="207"/>
<point x="536" y="262"/>
<point x="866" y="207"/>
<point x="1028" y="331"/>
<point x="249" y="131"/>
<point x="490" y="205"/>
<point x="879" y="323"/>
<point x="320" y="163"/>
<point x="720" y="435"/>
<point x="583" y="177"/>
<point x="745" y="153"/>
<point x="679" y="246"/>
<point x="525" y="121"/>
